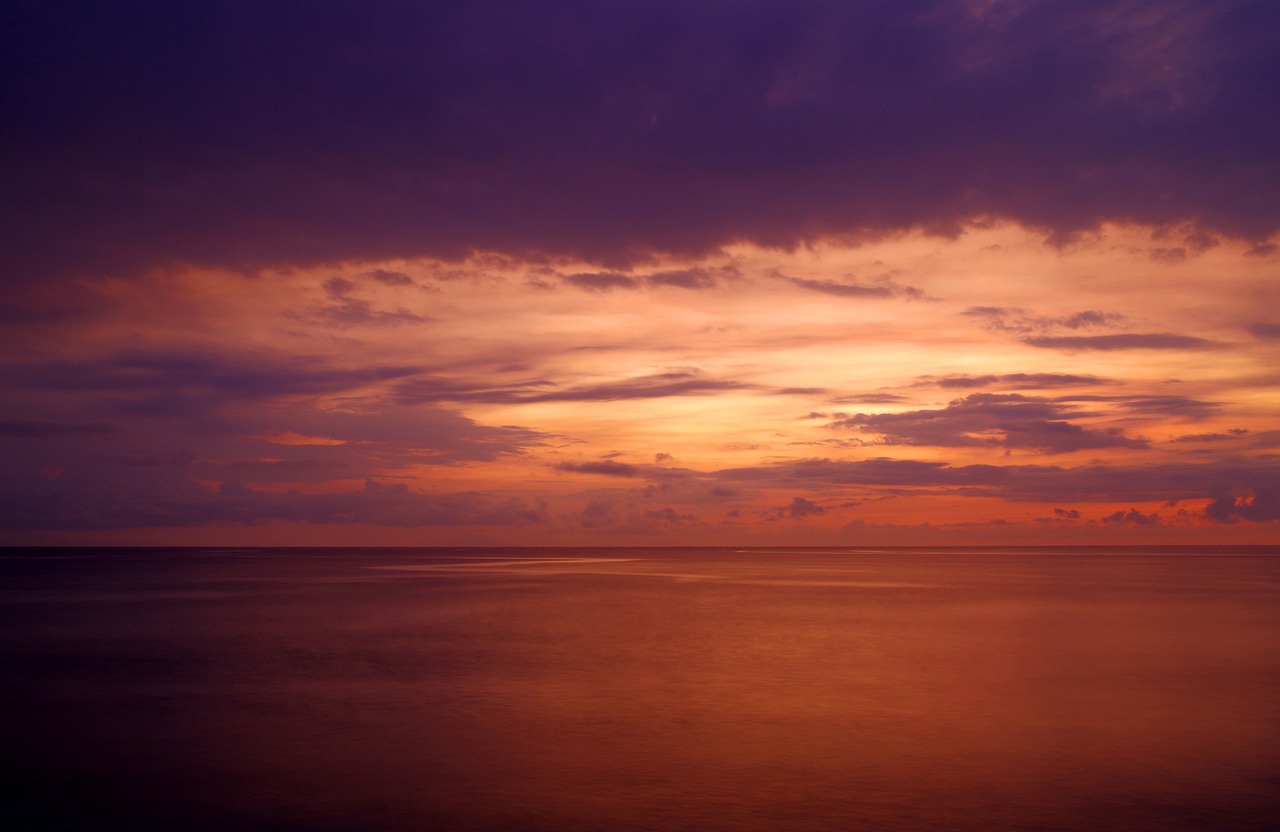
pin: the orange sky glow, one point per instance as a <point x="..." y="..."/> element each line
<point x="989" y="387"/>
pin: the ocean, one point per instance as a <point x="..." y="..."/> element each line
<point x="328" y="690"/>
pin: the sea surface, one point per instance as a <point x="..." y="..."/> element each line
<point x="640" y="689"/>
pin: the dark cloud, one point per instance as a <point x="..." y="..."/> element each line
<point x="183" y="381"/>
<point x="606" y="467"/>
<point x="1009" y="420"/>
<point x="1169" y="255"/>
<point x="851" y="288"/>
<point x="1018" y="321"/>
<point x="1177" y="406"/>
<point x="1239" y="489"/>
<point x="346" y="310"/>
<point x="390" y="278"/>
<point x="247" y="134"/>
<point x="801" y="508"/>
<point x="660" y="385"/>
<point x="1265" y="330"/>
<point x="1016" y="381"/>
<point x="680" y="279"/>
<point x="85" y="505"/>
<point x="870" y="398"/>
<point x="683" y="279"/>
<point x="1132" y="517"/>
<point x="1120" y="341"/>
<point x="45" y="428"/>
<point x="602" y="281"/>
<point x="357" y="312"/>
<point x="1205" y="437"/>
<point x="670" y="515"/>
<point x="1260" y="503"/>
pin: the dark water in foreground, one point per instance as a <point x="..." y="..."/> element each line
<point x="636" y="689"/>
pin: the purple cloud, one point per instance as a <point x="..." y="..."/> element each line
<point x="602" y="281"/>
<point x="1238" y="489"/>
<point x="659" y="385"/>
<point x="844" y="290"/>
<point x="1017" y="381"/>
<point x="45" y="428"/>
<point x="606" y="467"/>
<point x="83" y="505"/>
<point x="234" y="134"/>
<point x="1120" y="341"/>
<point x="1009" y="420"/>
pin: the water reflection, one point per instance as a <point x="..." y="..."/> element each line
<point x="643" y="690"/>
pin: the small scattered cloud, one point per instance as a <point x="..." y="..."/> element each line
<point x="1132" y="517"/>
<point x="1206" y="437"/>
<point x="1168" y="255"/>
<point x="851" y="287"/>
<point x="605" y="467"/>
<point x="1009" y="420"/>
<point x="1181" y="407"/>
<point x="1015" y="381"/>
<point x="1120" y="341"/>
<point x="390" y="278"/>
<point x="683" y="279"/>
<point x="1018" y="321"/>
<point x="799" y="509"/>
<point x="601" y="281"/>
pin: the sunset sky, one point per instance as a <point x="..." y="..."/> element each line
<point x="639" y="272"/>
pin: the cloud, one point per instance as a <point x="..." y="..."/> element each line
<point x="1016" y="381"/>
<point x="1176" y="406"/>
<point x="191" y="382"/>
<point x="390" y="278"/>
<point x="232" y="135"/>
<point x="679" y="278"/>
<point x="658" y="385"/>
<point x="607" y="467"/>
<point x="883" y="287"/>
<point x="1205" y="437"/>
<point x="1019" y="321"/>
<point x="345" y="310"/>
<point x="1008" y="420"/>
<point x="670" y="515"/>
<point x="602" y="281"/>
<point x="1132" y="517"/>
<point x="801" y="508"/>
<point x="86" y="505"/>
<point x="1121" y="341"/>
<point x="870" y="398"/>
<point x="1260" y="505"/>
<point x="1239" y="489"/>
<point x="1265" y="330"/>
<point x="683" y="279"/>
<point x="45" y="428"/>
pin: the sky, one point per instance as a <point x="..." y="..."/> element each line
<point x="868" y="272"/>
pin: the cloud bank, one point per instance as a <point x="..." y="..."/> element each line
<point x="243" y="135"/>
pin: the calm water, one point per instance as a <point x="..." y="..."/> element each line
<point x="640" y="689"/>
